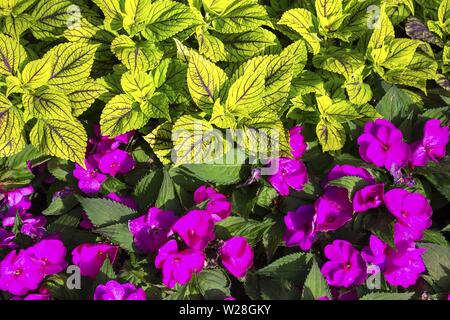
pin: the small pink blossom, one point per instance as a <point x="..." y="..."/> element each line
<point x="113" y="290"/>
<point x="90" y="257"/>
<point x="368" y="197"/>
<point x="196" y="228"/>
<point x="237" y="256"/>
<point x="290" y="173"/>
<point x="300" y="229"/>
<point x="297" y="142"/>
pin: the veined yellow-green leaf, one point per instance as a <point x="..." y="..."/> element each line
<point x="246" y="94"/>
<point x="112" y="11"/>
<point x="121" y="115"/>
<point x="240" y="16"/>
<point x="195" y="141"/>
<point x="36" y="73"/>
<point x="167" y="18"/>
<point x="299" y="53"/>
<point x="139" y="85"/>
<point x="205" y="80"/>
<point x="265" y="136"/>
<point x="358" y="92"/>
<point x="71" y="64"/>
<point x="340" y="111"/>
<point x="416" y="74"/>
<point x="221" y="118"/>
<point x="216" y="6"/>
<point x="242" y="46"/>
<point x="141" y="56"/>
<point x="400" y="54"/>
<point x="278" y="77"/>
<point x="211" y="46"/>
<point x="160" y="140"/>
<point x="47" y="103"/>
<point x="65" y="139"/>
<point x="444" y="15"/>
<point x="15" y="26"/>
<point x="13" y="85"/>
<point x="159" y="74"/>
<point x="12" y="55"/>
<point x="329" y="13"/>
<point x="83" y="97"/>
<point x="339" y="60"/>
<point x="156" y="107"/>
<point x="136" y="13"/>
<point x="331" y="135"/>
<point x="12" y="139"/>
<point x="383" y="31"/>
<point x="301" y="20"/>
<point x="51" y="18"/>
<point x="307" y="82"/>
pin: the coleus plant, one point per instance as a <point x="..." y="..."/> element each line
<point x="104" y="105"/>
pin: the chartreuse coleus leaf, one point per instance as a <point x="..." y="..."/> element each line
<point x="383" y="31"/>
<point x="51" y="18"/>
<point x="47" y="103"/>
<point x="240" y="16"/>
<point x="160" y="140"/>
<point x="12" y="139"/>
<point x="84" y="96"/>
<point x="166" y="18"/>
<point x="121" y="114"/>
<point x="112" y="11"/>
<point x="205" y="80"/>
<point x="215" y="6"/>
<point x="136" y="13"/>
<point x="138" y="84"/>
<point x="35" y="74"/>
<point x="303" y="22"/>
<point x="336" y="111"/>
<point x="399" y="54"/>
<point x="16" y="26"/>
<point x="221" y="117"/>
<point x="330" y="14"/>
<point x="245" y="95"/>
<point x="339" y="60"/>
<point x="195" y="141"/>
<point x="12" y="53"/>
<point x="136" y="56"/>
<point x="358" y="92"/>
<point x="416" y="74"/>
<point x="444" y="15"/>
<point x="71" y="64"/>
<point x="62" y="138"/>
<point x="331" y="135"/>
<point x="358" y="16"/>
<point x="210" y="46"/>
<point x="157" y="106"/>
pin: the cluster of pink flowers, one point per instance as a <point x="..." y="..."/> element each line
<point x="382" y="144"/>
<point x="152" y="232"/>
<point x="290" y="172"/>
<point x="23" y="271"/>
<point x="17" y="202"/>
<point x="104" y="157"/>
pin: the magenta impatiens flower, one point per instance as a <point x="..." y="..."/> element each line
<point x="113" y="290"/>
<point x="20" y="273"/>
<point x="333" y="209"/>
<point x="218" y="205"/>
<point x="50" y="254"/>
<point x="152" y="230"/>
<point x="89" y="179"/>
<point x="376" y="252"/>
<point x="404" y="265"/>
<point x="237" y="256"/>
<point x="290" y="173"/>
<point x="411" y="209"/>
<point x="196" y="228"/>
<point x="300" y="229"/>
<point x="382" y="144"/>
<point x="297" y="142"/>
<point x="33" y="226"/>
<point x="346" y="266"/>
<point x="116" y="161"/>
<point x="90" y="257"/>
<point x="368" y="197"/>
<point x="433" y="144"/>
<point x="344" y="170"/>
<point x="178" y="266"/>
<point x="19" y="198"/>
<point x="7" y="239"/>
